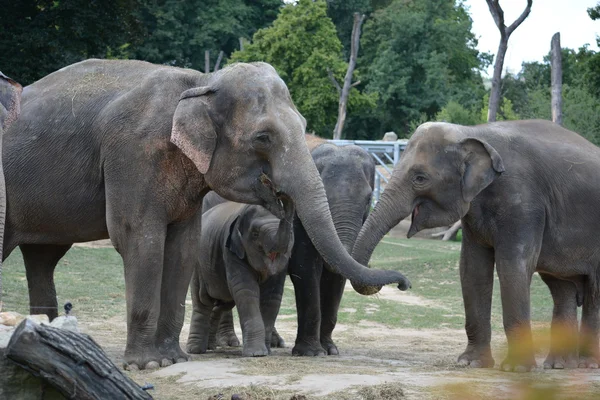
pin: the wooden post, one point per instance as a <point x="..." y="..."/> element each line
<point x="556" y="66"/>
<point x="218" y="63"/>
<point x="71" y="362"/>
<point x="206" y="61"/>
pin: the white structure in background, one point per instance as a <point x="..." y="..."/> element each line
<point x="386" y="153"/>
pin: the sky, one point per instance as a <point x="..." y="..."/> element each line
<point x="531" y="40"/>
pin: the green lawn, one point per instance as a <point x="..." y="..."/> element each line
<point x="92" y="279"/>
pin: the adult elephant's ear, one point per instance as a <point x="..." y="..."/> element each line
<point x="481" y="165"/>
<point x="10" y="101"/>
<point x="193" y="130"/>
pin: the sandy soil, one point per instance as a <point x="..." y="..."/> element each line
<point x="376" y="362"/>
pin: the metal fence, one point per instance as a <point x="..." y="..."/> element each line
<point x="384" y="154"/>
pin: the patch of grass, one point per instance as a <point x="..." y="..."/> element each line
<point x="91" y="279"/>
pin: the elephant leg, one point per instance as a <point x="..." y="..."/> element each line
<point x="215" y="318"/>
<point x="563" y="329"/>
<point x="142" y="248"/>
<point x="477" y="281"/>
<point x="271" y="292"/>
<point x="202" y="305"/>
<point x="226" y="333"/>
<point x="305" y="269"/>
<point x="180" y="258"/>
<point x="332" y="290"/>
<point x="589" y="354"/>
<point x="40" y="261"/>
<point x="246" y="295"/>
<point x="514" y="274"/>
<point x="276" y="339"/>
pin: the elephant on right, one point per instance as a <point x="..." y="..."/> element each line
<point x="528" y="195"/>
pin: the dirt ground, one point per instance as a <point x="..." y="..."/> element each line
<point x="376" y="362"/>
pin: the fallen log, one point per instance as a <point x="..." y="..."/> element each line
<point x="71" y="362"/>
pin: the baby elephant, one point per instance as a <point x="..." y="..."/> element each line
<point x="243" y="262"/>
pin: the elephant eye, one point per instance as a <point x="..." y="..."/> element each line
<point x="262" y="139"/>
<point x="255" y="234"/>
<point x="420" y="179"/>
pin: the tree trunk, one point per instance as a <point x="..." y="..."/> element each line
<point x="505" y="32"/>
<point x="345" y="90"/>
<point x="71" y="362"/>
<point x="207" y="61"/>
<point x="494" y="103"/>
<point x="556" y="65"/>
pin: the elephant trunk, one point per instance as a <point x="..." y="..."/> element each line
<point x="305" y="188"/>
<point x="285" y="228"/>
<point x="392" y="208"/>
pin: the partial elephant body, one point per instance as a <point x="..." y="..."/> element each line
<point x="10" y="108"/>
<point x="527" y="193"/>
<point x="244" y="252"/>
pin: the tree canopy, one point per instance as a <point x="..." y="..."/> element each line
<point x="417" y="61"/>
<point x="303" y="47"/>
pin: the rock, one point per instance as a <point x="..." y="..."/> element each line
<point x="69" y="323"/>
<point x="39" y="318"/>
<point x="10" y="318"/>
<point x="390" y="137"/>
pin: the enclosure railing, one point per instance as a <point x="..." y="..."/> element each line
<point x="384" y="153"/>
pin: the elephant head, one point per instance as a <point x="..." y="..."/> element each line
<point x="263" y="239"/>
<point x="443" y="168"/>
<point x="10" y="106"/>
<point x="244" y="134"/>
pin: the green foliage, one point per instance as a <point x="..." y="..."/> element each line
<point x="41" y="36"/>
<point x="418" y="56"/>
<point x="530" y="92"/>
<point x="455" y="113"/>
<point x="179" y="32"/>
<point x="341" y="13"/>
<point x="303" y="46"/>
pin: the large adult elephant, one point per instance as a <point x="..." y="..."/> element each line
<point x="528" y="194"/>
<point x="127" y="150"/>
<point x="10" y="102"/>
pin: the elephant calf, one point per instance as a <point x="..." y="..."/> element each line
<point x="244" y="253"/>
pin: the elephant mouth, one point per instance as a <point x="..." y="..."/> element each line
<point x="271" y="196"/>
<point x="413" y="226"/>
<point x="272" y="255"/>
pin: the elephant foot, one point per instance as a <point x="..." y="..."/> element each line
<point x="138" y="359"/>
<point x="520" y="363"/>
<point x="588" y="362"/>
<point x="477" y="357"/>
<point x="560" y="361"/>
<point x="228" y="340"/>
<point x="259" y="350"/>
<point x="308" y="348"/>
<point x="196" y="346"/>
<point x="330" y="347"/>
<point x="172" y="353"/>
<point x="277" y="341"/>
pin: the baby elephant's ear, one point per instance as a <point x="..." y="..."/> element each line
<point x="234" y="240"/>
<point x="10" y="101"/>
<point x="193" y="130"/>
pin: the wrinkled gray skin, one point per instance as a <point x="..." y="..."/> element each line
<point x="127" y="150"/>
<point x="244" y="254"/>
<point x="348" y="176"/>
<point x="10" y="107"/>
<point x="527" y="193"/>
